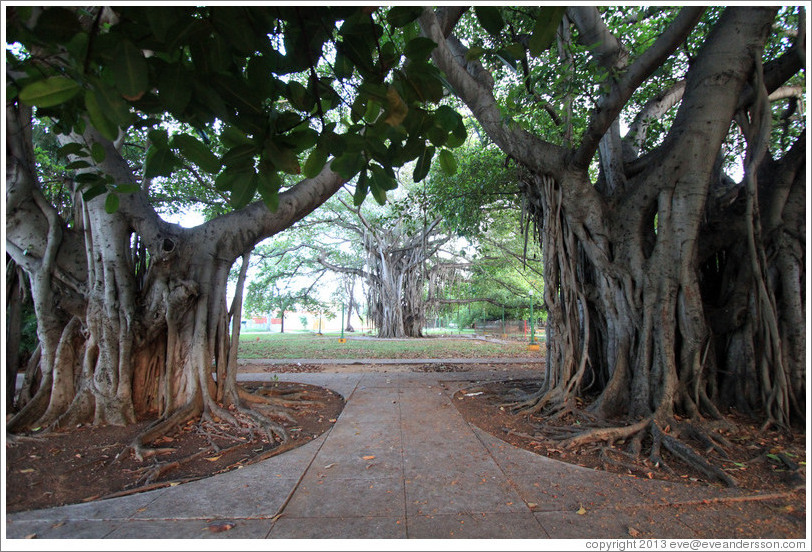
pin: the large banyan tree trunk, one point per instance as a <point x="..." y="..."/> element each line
<point x="660" y="298"/>
<point x="131" y="310"/>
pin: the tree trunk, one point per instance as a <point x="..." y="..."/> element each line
<point x="118" y="344"/>
<point x="632" y="266"/>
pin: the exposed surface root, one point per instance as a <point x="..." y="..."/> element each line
<point x="729" y="452"/>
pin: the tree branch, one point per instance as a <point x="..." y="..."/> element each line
<point x="611" y="104"/>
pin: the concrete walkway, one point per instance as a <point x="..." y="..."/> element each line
<point x="401" y="462"/>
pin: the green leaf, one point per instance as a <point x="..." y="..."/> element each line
<point x="97" y="152"/>
<point x="474" y="53"/>
<point x="283" y="158"/>
<point x="89" y="178"/>
<point x="447" y="118"/>
<point x="343" y="66"/>
<point x="197" y="152"/>
<point x="348" y="164"/>
<point x="243" y="189"/>
<point x="381" y="179"/>
<point x="159" y="162"/>
<point x="241" y="156"/>
<point x="420" y="48"/>
<point x="490" y="18"/>
<point x="97" y="116"/>
<point x="57" y="25"/>
<point x="361" y="189"/>
<point x="126" y="188"/>
<point x="299" y="97"/>
<point x="268" y="186"/>
<point x="400" y="16"/>
<point x="77" y="165"/>
<point x="49" y="92"/>
<point x="159" y="137"/>
<point x="448" y="163"/>
<point x="173" y="88"/>
<point x="111" y="203"/>
<point x="315" y="163"/>
<point x="130" y="71"/>
<point x="423" y="164"/>
<point x="71" y="148"/>
<point x="112" y="105"/>
<point x="544" y="31"/>
<point x="94" y="191"/>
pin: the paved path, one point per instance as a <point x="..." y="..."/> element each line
<point x="401" y="462"/>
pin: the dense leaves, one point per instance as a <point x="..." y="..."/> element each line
<point x="283" y="87"/>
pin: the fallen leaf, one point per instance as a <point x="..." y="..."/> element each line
<point x="370" y="457"/>
<point x="221" y="526"/>
<point x="328" y="466"/>
<point x="213" y="458"/>
<point x="31" y="536"/>
<point x="633" y="532"/>
<point x="57" y="524"/>
<point x="28" y="470"/>
<point x="581" y="511"/>
<point x="332" y="420"/>
<point x="174" y="484"/>
<point x="531" y="505"/>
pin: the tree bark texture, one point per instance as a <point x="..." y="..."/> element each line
<point x="663" y="298"/>
<point x="131" y="310"/>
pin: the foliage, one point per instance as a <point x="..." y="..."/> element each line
<point x="253" y="93"/>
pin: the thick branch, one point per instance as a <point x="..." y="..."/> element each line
<point x="610" y="105"/>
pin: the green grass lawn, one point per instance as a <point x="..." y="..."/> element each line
<point x="309" y="345"/>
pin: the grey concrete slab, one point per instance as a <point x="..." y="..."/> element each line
<point x="249" y="498"/>
<point x="595" y="524"/>
<point x="475" y="526"/>
<point x="450" y="462"/>
<point x="72" y="529"/>
<point x="432" y="495"/>
<point x="342" y="497"/>
<point x="358" y="460"/>
<point x="192" y="529"/>
<point x="369" y="527"/>
<point x="110" y="509"/>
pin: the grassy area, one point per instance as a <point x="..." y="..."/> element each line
<point x="309" y="345"/>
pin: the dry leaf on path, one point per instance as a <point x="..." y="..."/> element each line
<point x="370" y="457"/>
<point x="213" y="458"/>
<point x="581" y="511"/>
<point x="633" y="532"/>
<point x="221" y="526"/>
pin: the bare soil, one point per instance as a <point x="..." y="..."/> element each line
<point x="770" y="462"/>
<point x="81" y="464"/>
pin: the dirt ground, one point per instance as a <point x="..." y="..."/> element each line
<point x="770" y="462"/>
<point x="80" y="465"/>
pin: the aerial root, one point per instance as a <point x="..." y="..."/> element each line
<point x="159" y="428"/>
<point x="687" y="455"/>
<point x="709" y="441"/>
<point x="608" y="434"/>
